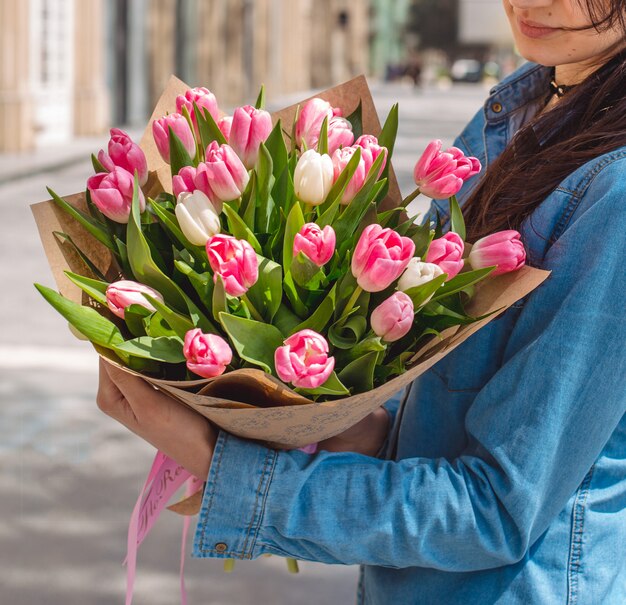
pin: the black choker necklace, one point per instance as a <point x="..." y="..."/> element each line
<point x="559" y="89"/>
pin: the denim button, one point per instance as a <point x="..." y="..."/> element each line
<point x="221" y="547"/>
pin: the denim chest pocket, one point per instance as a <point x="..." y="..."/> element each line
<point x="472" y="364"/>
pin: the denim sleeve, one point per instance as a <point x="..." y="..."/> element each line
<point x="534" y="431"/>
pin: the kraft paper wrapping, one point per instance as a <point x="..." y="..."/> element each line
<point x="248" y="402"/>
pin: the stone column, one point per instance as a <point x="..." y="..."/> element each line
<point x="16" y="121"/>
<point x="91" y="101"/>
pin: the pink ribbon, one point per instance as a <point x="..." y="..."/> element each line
<point x="165" y="478"/>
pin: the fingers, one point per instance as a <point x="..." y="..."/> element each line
<point x="111" y="400"/>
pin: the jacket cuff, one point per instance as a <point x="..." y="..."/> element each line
<point x="234" y="498"/>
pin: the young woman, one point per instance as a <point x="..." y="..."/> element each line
<point x="506" y="477"/>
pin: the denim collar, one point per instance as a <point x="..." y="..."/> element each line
<point x="527" y="85"/>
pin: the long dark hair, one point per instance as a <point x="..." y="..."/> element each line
<point x="589" y="121"/>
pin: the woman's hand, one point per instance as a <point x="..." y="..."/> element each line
<point x="366" y="437"/>
<point x="168" y="425"/>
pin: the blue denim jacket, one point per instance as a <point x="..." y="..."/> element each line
<point x="509" y="481"/>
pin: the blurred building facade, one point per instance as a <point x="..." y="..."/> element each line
<point x="76" y="66"/>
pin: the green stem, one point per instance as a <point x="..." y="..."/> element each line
<point x="255" y="314"/>
<point x="352" y="300"/>
<point x="409" y="198"/>
<point x="229" y="565"/>
<point x="292" y="566"/>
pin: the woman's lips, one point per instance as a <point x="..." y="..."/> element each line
<point x="535" y="30"/>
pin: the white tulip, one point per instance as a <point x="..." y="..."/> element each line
<point x="197" y="217"/>
<point x="418" y="273"/>
<point x="313" y="177"/>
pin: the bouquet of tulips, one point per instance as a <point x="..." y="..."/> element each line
<point x="264" y="262"/>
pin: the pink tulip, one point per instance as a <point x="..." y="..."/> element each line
<point x="380" y="257"/>
<point x="441" y="175"/>
<point x="392" y="319"/>
<point x="370" y="150"/>
<point x="447" y="253"/>
<point x="309" y="126"/>
<point x="339" y="134"/>
<point x="318" y="245"/>
<point x="503" y="249"/>
<point x="203" y="98"/>
<point x="235" y="261"/>
<point x="123" y="293"/>
<point x="126" y="154"/>
<point x="112" y="193"/>
<point x="222" y="173"/>
<point x="250" y="127"/>
<point x="207" y="355"/>
<point x="180" y="127"/>
<point x="225" y="125"/>
<point x="184" y="181"/>
<point x="303" y="360"/>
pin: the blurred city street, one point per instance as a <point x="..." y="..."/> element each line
<point x="69" y="476"/>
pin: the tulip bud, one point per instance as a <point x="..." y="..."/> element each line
<point x="418" y="273"/>
<point x="380" y="257"/>
<point x="441" y="175"/>
<point x="250" y="127"/>
<point x="184" y="181"/>
<point x="222" y="174"/>
<point x="207" y="355"/>
<point x="197" y="217"/>
<point x="225" y="125"/>
<point x="180" y="127"/>
<point x="392" y="319"/>
<point x="112" y="193"/>
<point x="447" y="253"/>
<point x="203" y="98"/>
<point x="316" y="244"/>
<point x="339" y="134"/>
<point x="313" y="177"/>
<point x="310" y="120"/>
<point x="235" y="261"/>
<point x="123" y="293"/>
<point x="503" y="249"/>
<point x="303" y="360"/>
<point x="126" y="154"/>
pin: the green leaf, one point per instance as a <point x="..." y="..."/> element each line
<point x="208" y="128"/>
<point x="87" y="321"/>
<point x="358" y="375"/>
<point x="254" y="341"/>
<point x="291" y="290"/>
<point x="420" y="294"/>
<point x="201" y="282"/>
<point x="142" y="264"/>
<point x="239" y="229"/>
<point x="295" y="222"/>
<point x="321" y="316"/>
<point x="88" y="263"/>
<point x="179" y="156"/>
<point x="266" y="294"/>
<point x="97" y="166"/>
<point x="265" y="182"/>
<point x="275" y="144"/>
<point x="333" y="386"/>
<point x="219" y="299"/>
<point x="356" y="119"/>
<point x="305" y="272"/>
<point x="95" y="288"/>
<point x="422" y="237"/>
<point x="286" y="321"/>
<point x="322" y="143"/>
<point x="179" y="323"/>
<point x="167" y="349"/>
<point x="260" y="100"/>
<point x="457" y="222"/>
<point x="94" y="227"/>
<point x="345" y="333"/>
<point x="389" y="132"/>
<point x="134" y="316"/>
<point x="156" y="326"/>
<point x="462" y="281"/>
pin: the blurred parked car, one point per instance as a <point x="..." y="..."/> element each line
<point x="466" y="70"/>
